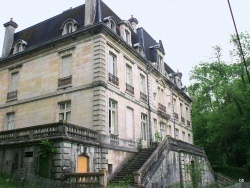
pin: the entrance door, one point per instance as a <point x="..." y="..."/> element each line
<point x="82" y="164"/>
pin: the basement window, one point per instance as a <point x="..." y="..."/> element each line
<point x="28" y="154"/>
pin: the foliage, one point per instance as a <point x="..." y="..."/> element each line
<point x="158" y="136"/>
<point x="221" y="106"/>
<point x="46" y="149"/>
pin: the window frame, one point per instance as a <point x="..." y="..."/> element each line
<point x="65" y="111"/>
<point x="10" y="120"/>
<point x="112" y="125"/>
<point x="144" y="127"/>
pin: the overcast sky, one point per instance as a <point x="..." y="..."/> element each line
<point x="188" y="28"/>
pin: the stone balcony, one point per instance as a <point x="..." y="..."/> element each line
<point x="48" y="131"/>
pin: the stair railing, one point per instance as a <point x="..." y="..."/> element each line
<point x="142" y="173"/>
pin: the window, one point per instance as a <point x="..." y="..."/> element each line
<point x="112" y="70"/>
<point x="163" y="130"/>
<point x="19" y="46"/>
<point x="129" y="75"/>
<point x="65" y="72"/>
<point x="12" y="94"/>
<point x="130" y="123"/>
<point x="144" y="127"/>
<point x="181" y="109"/>
<point x="142" y="83"/>
<point x="28" y="154"/>
<point x="65" y="111"/>
<point x="110" y="22"/>
<point x="187" y="113"/>
<point x="177" y="133"/>
<point x="160" y="63"/>
<point x="66" y="66"/>
<point x="112" y="117"/>
<point x="189" y="137"/>
<point x="183" y="135"/>
<point x="69" y="28"/>
<point x="127" y="36"/>
<point x="169" y="130"/>
<point x="10" y="121"/>
<point x="112" y="25"/>
<point x="14" y="81"/>
<point x="112" y="64"/>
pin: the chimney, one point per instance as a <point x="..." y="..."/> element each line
<point x="8" y="37"/>
<point x="134" y="22"/>
<point x="90" y="12"/>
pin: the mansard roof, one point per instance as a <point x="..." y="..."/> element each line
<point x="50" y="29"/>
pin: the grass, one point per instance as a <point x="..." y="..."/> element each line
<point x="7" y="182"/>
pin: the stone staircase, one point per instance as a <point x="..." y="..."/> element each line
<point x="133" y="165"/>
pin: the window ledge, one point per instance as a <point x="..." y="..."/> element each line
<point x="64" y="87"/>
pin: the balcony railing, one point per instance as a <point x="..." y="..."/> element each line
<point x="48" y="131"/>
<point x="94" y="179"/>
<point x="183" y="120"/>
<point x="162" y="107"/>
<point x="12" y="95"/>
<point x="130" y="89"/>
<point x="113" y="79"/>
<point x="64" y="81"/>
<point x="143" y="97"/>
<point x="188" y="123"/>
<point x="114" y="139"/>
<point x="176" y="116"/>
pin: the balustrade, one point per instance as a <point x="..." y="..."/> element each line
<point x="48" y="131"/>
<point x="162" y="107"/>
<point x="143" y="97"/>
<point x="12" y="95"/>
<point x="113" y="79"/>
<point x="130" y="89"/>
<point x="65" y="81"/>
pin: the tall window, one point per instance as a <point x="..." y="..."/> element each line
<point x="112" y="64"/>
<point x="129" y="75"/>
<point x="177" y="133"/>
<point x="181" y="109"/>
<point x="169" y="130"/>
<point x="112" y="116"/>
<point x="189" y="137"/>
<point x="160" y="95"/>
<point x="66" y="66"/>
<point x="127" y="36"/>
<point x="10" y="121"/>
<point x="187" y="113"/>
<point x="14" y="81"/>
<point x="144" y="127"/>
<point x="183" y="135"/>
<point x="130" y="123"/>
<point x="142" y="84"/>
<point x="65" y="111"/>
<point x="163" y="130"/>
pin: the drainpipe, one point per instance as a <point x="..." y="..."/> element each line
<point x="149" y="69"/>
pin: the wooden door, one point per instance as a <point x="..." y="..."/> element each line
<point x="82" y="164"/>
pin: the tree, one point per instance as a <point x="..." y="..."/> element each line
<point x="221" y="107"/>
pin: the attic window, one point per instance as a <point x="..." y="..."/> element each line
<point x="110" y="22"/>
<point x="19" y="46"/>
<point x="139" y="49"/>
<point x="69" y="26"/>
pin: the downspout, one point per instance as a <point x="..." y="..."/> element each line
<point x="149" y="107"/>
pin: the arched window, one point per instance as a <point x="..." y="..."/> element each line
<point x="139" y="49"/>
<point x="110" y="22"/>
<point x="19" y="46"/>
<point x="69" y="26"/>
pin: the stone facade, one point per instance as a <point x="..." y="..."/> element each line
<point x="149" y="101"/>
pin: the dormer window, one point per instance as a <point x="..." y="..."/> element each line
<point x="125" y="31"/>
<point x="139" y="49"/>
<point x="110" y="22"/>
<point x="19" y="46"/>
<point x="69" y="26"/>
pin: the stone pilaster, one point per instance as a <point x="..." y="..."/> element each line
<point x="99" y="92"/>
